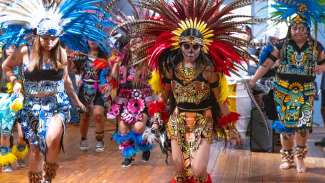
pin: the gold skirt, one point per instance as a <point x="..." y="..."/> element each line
<point x="189" y="128"/>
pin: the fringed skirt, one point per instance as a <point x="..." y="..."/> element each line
<point x="188" y="129"/>
<point x="37" y="113"/>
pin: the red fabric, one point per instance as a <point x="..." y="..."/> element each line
<point x="162" y="43"/>
<point x="100" y="63"/>
<point x="230" y="118"/>
<point x="223" y="55"/>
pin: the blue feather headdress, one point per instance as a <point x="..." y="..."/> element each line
<point x="72" y="21"/>
<point x="299" y="11"/>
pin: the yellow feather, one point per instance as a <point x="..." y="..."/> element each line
<point x="7" y="159"/>
<point x="182" y="25"/>
<point x="188" y="24"/>
<point x="191" y="24"/>
<point x="177" y="32"/>
<point x="195" y="23"/>
<point x="155" y="82"/>
<point x="223" y="88"/>
<point x="208" y="36"/>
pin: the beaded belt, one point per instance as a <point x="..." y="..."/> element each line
<point x="307" y="88"/>
<point x="43" y="88"/>
<point x="135" y="93"/>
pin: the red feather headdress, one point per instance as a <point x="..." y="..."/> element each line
<point x="221" y="30"/>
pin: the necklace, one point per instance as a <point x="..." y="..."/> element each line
<point x="186" y="74"/>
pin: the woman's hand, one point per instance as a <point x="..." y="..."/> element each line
<point x="319" y="69"/>
<point x="81" y="107"/>
<point x="234" y="137"/>
<point x="17" y="87"/>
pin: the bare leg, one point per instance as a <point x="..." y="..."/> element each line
<point x="200" y="161"/>
<point x="35" y="165"/>
<point x="301" y="150"/>
<point x="98" y="113"/>
<point x="140" y="126"/>
<point x="84" y="124"/>
<point x="287" y="150"/>
<point x="53" y="141"/>
<point x="5" y="140"/>
<point x="53" y="138"/>
<point x="123" y="128"/>
<point x="178" y="160"/>
<point x="20" y="140"/>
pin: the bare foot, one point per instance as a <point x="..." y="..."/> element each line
<point x="300" y="165"/>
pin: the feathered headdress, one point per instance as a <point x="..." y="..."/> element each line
<point x="219" y="28"/>
<point x="299" y="11"/>
<point x="72" y="21"/>
<point x="130" y="31"/>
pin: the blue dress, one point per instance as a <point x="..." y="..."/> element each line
<point x="45" y="97"/>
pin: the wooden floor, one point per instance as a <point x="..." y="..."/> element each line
<point x="225" y="166"/>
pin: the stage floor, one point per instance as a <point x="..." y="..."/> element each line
<point x="226" y="165"/>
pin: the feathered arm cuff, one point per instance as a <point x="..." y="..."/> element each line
<point x="230" y="118"/>
<point x="227" y="128"/>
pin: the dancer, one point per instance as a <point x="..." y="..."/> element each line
<point x="91" y="96"/>
<point x="8" y="120"/>
<point x="130" y="106"/>
<point x="301" y="58"/>
<point x="191" y="50"/>
<point x="45" y="76"/>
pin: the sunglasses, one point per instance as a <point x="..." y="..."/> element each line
<point x="187" y="46"/>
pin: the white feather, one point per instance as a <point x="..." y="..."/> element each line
<point x="27" y="12"/>
<point x="148" y="136"/>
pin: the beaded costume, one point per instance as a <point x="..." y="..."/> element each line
<point x="134" y="95"/>
<point x="195" y="112"/>
<point x="294" y="87"/>
<point x="73" y="22"/>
